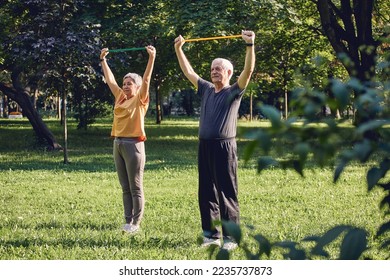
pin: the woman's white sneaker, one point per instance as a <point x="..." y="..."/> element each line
<point x="130" y="228"/>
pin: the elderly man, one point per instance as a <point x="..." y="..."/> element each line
<point x="217" y="150"/>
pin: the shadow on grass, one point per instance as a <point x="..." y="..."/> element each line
<point x="168" y="146"/>
<point x="172" y="144"/>
<point x="115" y="238"/>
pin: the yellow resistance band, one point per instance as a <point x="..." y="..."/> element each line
<point x="212" y="38"/>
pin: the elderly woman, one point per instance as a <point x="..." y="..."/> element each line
<point x="131" y="104"/>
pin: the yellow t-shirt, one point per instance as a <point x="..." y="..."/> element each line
<point x="129" y="115"/>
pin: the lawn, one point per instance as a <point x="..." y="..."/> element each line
<point x="49" y="210"/>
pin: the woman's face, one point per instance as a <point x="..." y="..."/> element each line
<point x="129" y="87"/>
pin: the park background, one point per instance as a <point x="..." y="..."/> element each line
<point x="313" y="128"/>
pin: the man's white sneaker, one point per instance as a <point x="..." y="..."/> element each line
<point x="130" y="228"/>
<point x="229" y="245"/>
<point x="211" y="241"/>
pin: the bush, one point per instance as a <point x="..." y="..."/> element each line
<point x="324" y="141"/>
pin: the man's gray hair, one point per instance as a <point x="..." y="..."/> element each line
<point x="226" y="64"/>
<point x="137" y="79"/>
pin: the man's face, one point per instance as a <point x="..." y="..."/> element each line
<point x="218" y="73"/>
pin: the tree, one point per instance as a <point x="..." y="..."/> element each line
<point x="348" y="27"/>
<point x="138" y="24"/>
<point x="45" y="45"/>
<point x="18" y="93"/>
<point x="14" y="88"/>
<point x="325" y="141"/>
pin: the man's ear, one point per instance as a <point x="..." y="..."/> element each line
<point x="230" y="73"/>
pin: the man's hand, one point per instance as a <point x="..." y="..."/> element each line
<point x="248" y="36"/>
<point x="179" y="42"/>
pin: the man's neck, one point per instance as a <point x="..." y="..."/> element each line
<point x="220" y="86"/>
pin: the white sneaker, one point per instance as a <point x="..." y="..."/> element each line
<point x="229" y="245"/>
<point x="211" y="241"/>
<point x="130" y="228"/>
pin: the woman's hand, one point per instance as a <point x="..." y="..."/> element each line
<point x="103" y="53"/>
<point x="151" y="50"/>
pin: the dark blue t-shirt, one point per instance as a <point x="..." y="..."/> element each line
<point x="218" y="111"/>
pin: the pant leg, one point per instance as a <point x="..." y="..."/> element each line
<point x="136" y="175"/>
<point x="129" y="160"/>
<point x="120" y="166"/>
<point x="207" y="193"/>
<point x="226" y="180"/>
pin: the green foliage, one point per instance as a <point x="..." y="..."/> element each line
<point x="57" y="45"/>
<point x="327" y="142"/>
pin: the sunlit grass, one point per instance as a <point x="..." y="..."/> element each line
<point x="49" y="210"/>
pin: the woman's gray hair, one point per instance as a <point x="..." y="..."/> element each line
<point x="226" y="64"/>
<point x="137" y="79"/>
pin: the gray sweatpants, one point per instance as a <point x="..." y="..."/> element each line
<point x="129" y="157"/>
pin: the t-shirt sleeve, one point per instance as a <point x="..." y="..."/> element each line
<point x="236" y="91"/>
<point x="203" y="85"/>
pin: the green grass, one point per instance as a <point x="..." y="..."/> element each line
<point x="49" y="210"/>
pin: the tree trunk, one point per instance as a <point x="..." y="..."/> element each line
<point x="5" y="106"/>
<point x="250" y="105"/>
<point x="354" y="37"/>
<point x="158" y="101"/>
<point x="21" y="97"/>
<point x="65" y="124"/>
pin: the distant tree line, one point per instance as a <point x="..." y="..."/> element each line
<point x="52" y="48"/>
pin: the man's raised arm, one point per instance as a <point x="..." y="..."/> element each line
<point x="184" y="63"/>
<point x="245" y="76"/>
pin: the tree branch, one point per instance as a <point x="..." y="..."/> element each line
<point x="329" y="25"/>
